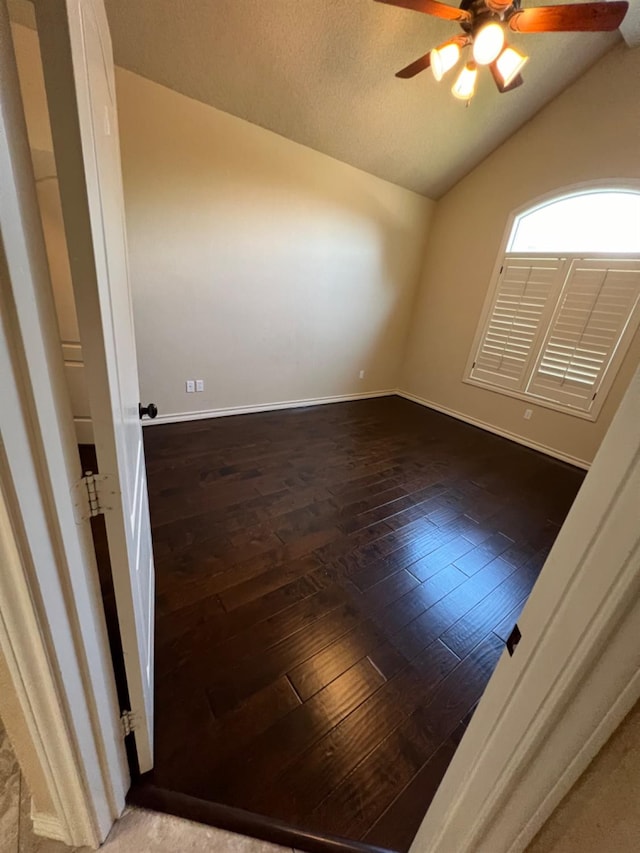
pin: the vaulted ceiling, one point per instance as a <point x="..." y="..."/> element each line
<point x="321" y="72"/>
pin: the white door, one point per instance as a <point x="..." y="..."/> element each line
<point x="79" y="77"/>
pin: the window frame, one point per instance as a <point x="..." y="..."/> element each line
<point x="625" y="340"/>
<point x="549" y="201"/>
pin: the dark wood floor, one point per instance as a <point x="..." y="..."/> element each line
<point x="334" y="588"/>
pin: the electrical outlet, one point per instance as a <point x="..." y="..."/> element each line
<point x="527" y="414"/>
<point x="190" y="386"/>
<point x="362" y="374"/>
<point x="199" y="384"/>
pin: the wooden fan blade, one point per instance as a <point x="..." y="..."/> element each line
<point x="517" y="80"/>
<point x="431" y="7"/>
<point x="415" y="67"/>
<point x="578" y="17"/>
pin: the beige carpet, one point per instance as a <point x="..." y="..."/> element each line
<point x="138" y="831"/>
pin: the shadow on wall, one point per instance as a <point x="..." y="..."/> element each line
<point x="273" y="271"/>
<point x="269" y="270"/>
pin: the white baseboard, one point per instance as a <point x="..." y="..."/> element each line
<point x="48" y="826"/>
<point x="534" y="445"/>
<point x="177" y="417"/>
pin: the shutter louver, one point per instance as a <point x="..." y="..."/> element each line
<point x="598" y="302"/>
<point x="522" y="305"/>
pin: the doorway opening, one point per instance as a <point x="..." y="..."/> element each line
<point x="335" y="587"/>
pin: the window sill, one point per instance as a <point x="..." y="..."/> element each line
<point x="536" y="401"/>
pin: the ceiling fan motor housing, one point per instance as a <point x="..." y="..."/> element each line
<point x="498" y="7"/>
<point x="483" y="11"/>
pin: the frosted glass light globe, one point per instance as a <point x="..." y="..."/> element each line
<point x="465" y="85"/>
<point x="487" y="43"/>
<point x="444" y="58"/>
<point x="510" y="63"/>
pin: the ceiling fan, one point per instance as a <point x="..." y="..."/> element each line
<point x="484" y="24"/>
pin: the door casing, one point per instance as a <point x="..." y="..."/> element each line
<point x="52" y="631"/>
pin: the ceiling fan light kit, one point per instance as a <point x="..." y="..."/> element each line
<point x="465" y="85"/>
<point x="484" y="23"/>
<point x="444" y="58"/>
<point x="488" y="42"/>
<point x="509" y="64"/>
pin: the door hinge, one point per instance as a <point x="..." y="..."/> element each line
<point x="128" y="722"/>
<point x="93" y="495"/>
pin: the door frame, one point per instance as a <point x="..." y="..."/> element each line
<point x="525" y="746"/>
<point x="52" y="629"/>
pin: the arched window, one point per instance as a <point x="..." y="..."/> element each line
<point x="566" y="302"/>
<point x="603" y="221"/>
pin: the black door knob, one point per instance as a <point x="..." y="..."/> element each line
<point x="151" y="410"/>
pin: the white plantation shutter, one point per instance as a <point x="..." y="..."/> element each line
<point x="525" y="296"/>
<point x="599" y="304"/>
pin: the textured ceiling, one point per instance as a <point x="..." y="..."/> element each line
<point x="321" y="72"/>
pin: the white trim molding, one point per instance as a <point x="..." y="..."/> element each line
<point x="48" y="826"/>
<point x="177" y="417"/>
<point x="72" y="351"/>
<point x="512" y="436"/>
<point x="52" y="628"/>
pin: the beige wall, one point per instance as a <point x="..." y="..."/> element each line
<point x="275" y="273"/>
<point x="601" y="813"/>
<point x="269" y="270"/>
<point x="591" y="131"/>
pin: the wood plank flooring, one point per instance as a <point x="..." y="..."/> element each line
<point x="334" y="589"/>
